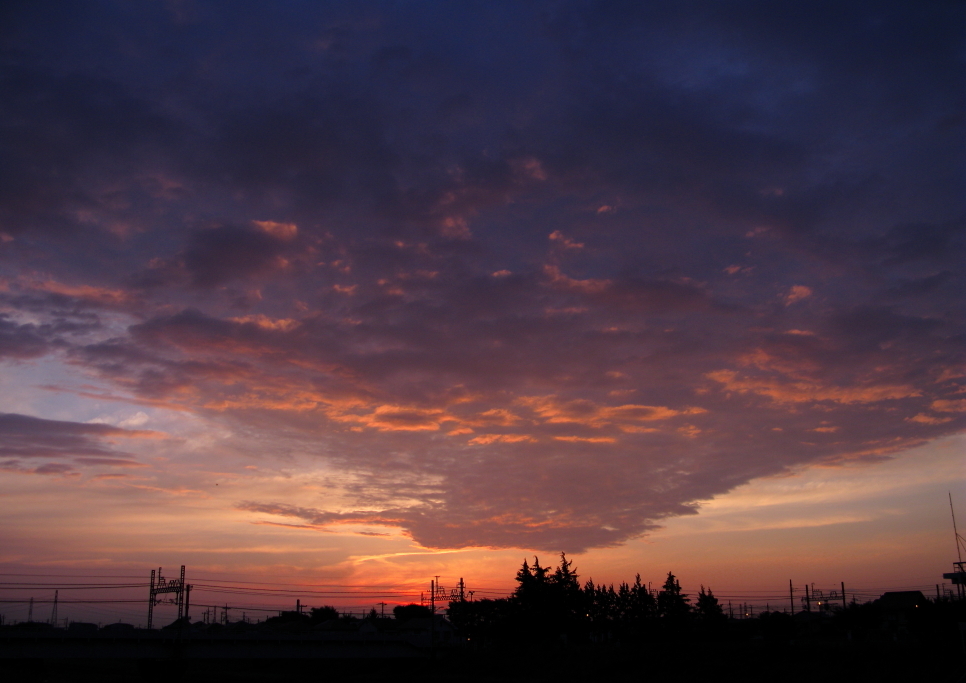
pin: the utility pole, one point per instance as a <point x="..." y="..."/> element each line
<point x="382" y="609"/>
<point x="808" y="600"/>
<point x="151" y="600"/>
<point x="53" y="612"/>
<point x="844" y="605"/>
<point x="791" y="596"/>
<point x="433" y="584"/>
<point x="187" y="602"/>
<point x="181" y="595"/>
<point x="462" y="588"/>
<point x="30" y="611"/>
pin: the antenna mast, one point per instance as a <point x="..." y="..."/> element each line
<point x="959" y="539"/>
<point x="958" y="577"/>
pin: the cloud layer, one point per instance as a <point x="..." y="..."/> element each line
<point x="528" y="277"/>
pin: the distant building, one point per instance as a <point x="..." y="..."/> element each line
<point x="898" y="610"/>
<point x="900" y="601"/>
<point x="958" y="577"/>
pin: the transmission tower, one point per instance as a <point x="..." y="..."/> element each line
<point x="159" y="586"/>
<point x="958" y="577"/>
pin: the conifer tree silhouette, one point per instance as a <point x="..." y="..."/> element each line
<point x="524" y="579"/>
<point x="672" y="604"/>
<point x="707" y="607"/>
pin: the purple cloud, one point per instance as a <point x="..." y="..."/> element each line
<point x="544" y="291"/>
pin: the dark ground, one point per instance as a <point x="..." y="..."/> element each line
<point x="717" y="662"/>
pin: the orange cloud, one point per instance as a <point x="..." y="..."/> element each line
<point x="802" y="391"/>
<point x="280" y="231"/>
<point x="922" y="418"/>
<point x="565" y="242"/>
<point x="554" y="411"/>
<point x="950" y="406"/>
<point x="503" y="438"/>
<point x="265" y="323"/>
<point x="634" y="429"/>
<point x="91" y="294"/>
<point x="561" y="281"/>
<point x="395" y="418"/>
<point x="797" y="293"/>
<point x="495" y="416"/>
<point x="586" y="439"/>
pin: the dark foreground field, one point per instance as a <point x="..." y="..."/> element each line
<point x="706" y="662"/>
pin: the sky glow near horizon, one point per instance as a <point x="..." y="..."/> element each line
<point x="375" y="292"/>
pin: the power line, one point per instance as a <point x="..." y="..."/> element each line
<point x="227" y="581"/>
<point x="71" y="586"/>
<point x="74" y="576"/>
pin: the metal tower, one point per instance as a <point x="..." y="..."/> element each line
<point x="159" y="586"/>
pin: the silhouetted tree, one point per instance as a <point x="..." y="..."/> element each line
<point x="533" y="587"/>
<point x="287" y="621"/>
<point x="549" y="602"/>
<point x="539" y="573"/>
<point x="598" y="609"/>
<point x="707" y="604"/>
<point x="707" y="609"/>
<point x="525" y="581"/>
<point x="411" y="611"/>
<point x="532" y="602"/>
<point x="565" y="585"/>
<point x="324" y="613"/>
<point x="565" y="578"/>
<point x="486" y="621"/>
<point x="643" y="606"/>
<point x="567" y="605"/>
<point x="672" y="604"/>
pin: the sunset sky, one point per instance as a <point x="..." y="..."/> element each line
<point x="368" y="292"/>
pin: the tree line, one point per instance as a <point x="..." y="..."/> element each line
<point x="550" y="604"/>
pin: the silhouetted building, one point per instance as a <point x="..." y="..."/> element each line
<point x="900" y="601"/>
